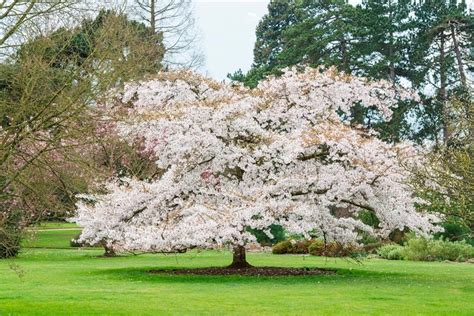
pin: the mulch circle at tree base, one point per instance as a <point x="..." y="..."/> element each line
<point x="250" y="271"/>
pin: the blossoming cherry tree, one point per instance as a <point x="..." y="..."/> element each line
<point x="233" y="159"/>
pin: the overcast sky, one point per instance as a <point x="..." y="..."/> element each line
<point x="228" y="33"/>
<point x="227" y="29"/>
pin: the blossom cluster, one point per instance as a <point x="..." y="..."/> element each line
<point x="233" y="158"/>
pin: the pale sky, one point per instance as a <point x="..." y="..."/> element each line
<point x="228" y="33"/>
<point x="227" y="29"/>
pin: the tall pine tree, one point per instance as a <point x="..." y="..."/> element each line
<point x="426" y="45"/>
<point x="442" y="51"/>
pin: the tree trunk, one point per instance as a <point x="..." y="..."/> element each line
<point x="442" y="69"/>
<point x="391" y="48"/>
<point x="109" y="251"/>
<point x="152" y="17"/>
<point x="345" y="60"/>
<point x="239" y="260"/>
<point x="442" y="89"/>
<point x="462" y="75"/>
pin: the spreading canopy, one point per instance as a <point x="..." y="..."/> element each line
<point x="233" y="159"/>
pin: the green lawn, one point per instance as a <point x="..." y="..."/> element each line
<point x="53" y="238"/>
<point x="76" y="281"/>
<point x="51" y="235"/>
<point x="55" y="225"/>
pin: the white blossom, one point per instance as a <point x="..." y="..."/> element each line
<point x="234" y="158"/>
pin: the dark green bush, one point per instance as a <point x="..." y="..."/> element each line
<point x="276" y="230"/>
<point x="369" y="218"/>
<point x="455" y="232"/>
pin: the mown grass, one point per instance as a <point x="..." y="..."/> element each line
<point x="55" y="225"/>
<point x="53" y="238"/>
<point x="78" y="282"/>
<point x="53" y="235"/>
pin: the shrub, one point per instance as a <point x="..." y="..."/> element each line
<point x="292" y="247"/>
<point x="301" y="246"/>
<point x="455" y="232"/>
<point x="332" y="249"/>
<point x="454" y="251"/>
<point x="420" y="249"/>
<point x="391" y="252"/>
<point x="282" y="247"/>
<point x="372" y="248"/>
<point x="316" y="247"/>
<point x="416" y="249"/>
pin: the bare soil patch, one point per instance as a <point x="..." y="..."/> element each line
<point x="249" y="271"/>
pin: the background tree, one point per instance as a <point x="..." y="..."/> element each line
<point x="173" y="21"/>
<point x="280" y="16"/>
<point x="17" y="16"/>
<point x="269" y="41"/>
<point x="393" y="40"/>
<point x="443" y="41"/>
<point x="48" y="118"/>
<point x="323" y="37"/>
<point x="448" y="181"/>
<point x="384" y="28"/>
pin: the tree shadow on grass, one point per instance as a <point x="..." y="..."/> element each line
<point x="143" y="274"/>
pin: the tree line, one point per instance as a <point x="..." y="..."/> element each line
<point x="426" y="45"/>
